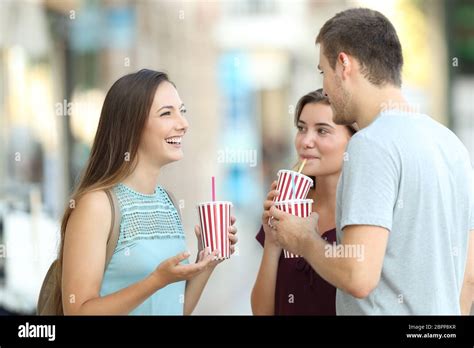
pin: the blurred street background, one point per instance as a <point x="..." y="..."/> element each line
<point x="240" y="66"/>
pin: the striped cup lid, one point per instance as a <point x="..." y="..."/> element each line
<point x="215" y="203"/>
<point x="292" y="172"/>
<point x="294" y="201"/>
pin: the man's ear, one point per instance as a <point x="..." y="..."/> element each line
<point x="345" y="61"/>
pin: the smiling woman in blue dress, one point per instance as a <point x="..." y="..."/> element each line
<point x="141" y="127"/>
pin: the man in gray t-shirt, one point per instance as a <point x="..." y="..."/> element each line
<point x="412" y="176"/>
<point x="405" y="199"/>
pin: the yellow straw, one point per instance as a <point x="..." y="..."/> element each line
<point x="302" y="166"/>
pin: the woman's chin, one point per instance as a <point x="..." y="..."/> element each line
<point x="174" y="158"/>
<point x="311" y="170"/>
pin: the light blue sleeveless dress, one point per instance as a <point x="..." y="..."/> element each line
<point x="150" y="232"/>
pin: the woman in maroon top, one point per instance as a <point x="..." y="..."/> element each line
<point x="290" y="286"/>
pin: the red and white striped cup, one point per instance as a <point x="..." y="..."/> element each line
<point x="297" y="207"/>
<point x="292" y="185"/>
<point x="215" y="221"/>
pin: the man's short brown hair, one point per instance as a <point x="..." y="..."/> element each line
<point x="368" y="36"/>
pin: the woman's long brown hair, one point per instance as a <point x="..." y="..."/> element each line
<point x="113" y="154"/>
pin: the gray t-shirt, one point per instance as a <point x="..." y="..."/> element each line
<point x="411" y="175"/>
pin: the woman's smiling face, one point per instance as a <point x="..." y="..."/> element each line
<point x="161" y="140"/>
<point x="320" y="141"/>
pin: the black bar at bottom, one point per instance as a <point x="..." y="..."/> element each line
<point x="415" y="330"/>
